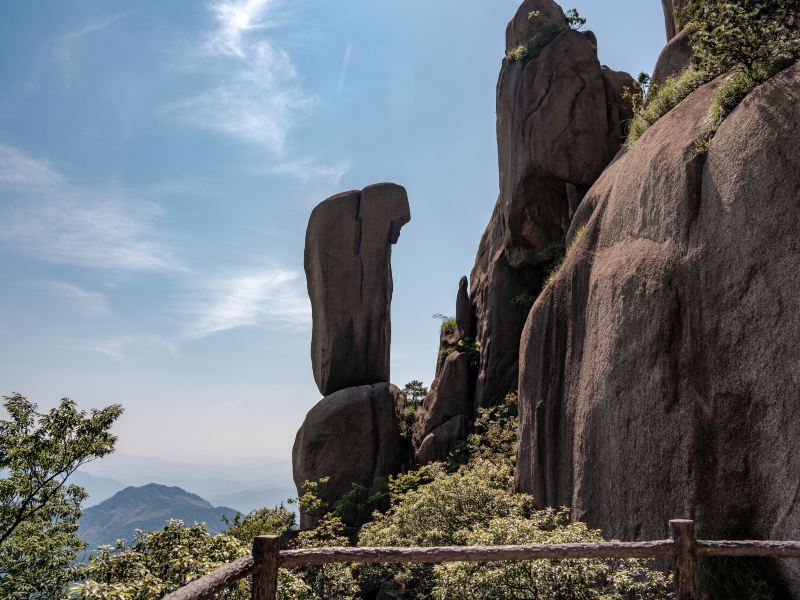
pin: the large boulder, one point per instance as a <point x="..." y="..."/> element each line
<point x="353" y="437"/>
<point x="451" y="395"/>
<point x="347" y="262"/>
<point x="438" y="444"/>
<point x="659" y="370"/>
<point x="560" y="120"/>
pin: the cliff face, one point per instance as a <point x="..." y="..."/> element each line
<point x="659" y="370"/>
<point x="560" y="118"/>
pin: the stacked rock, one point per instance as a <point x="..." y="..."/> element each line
<point x="352" y="435"/>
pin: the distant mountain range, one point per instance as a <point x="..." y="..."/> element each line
<point x="147" y="507"/>
<point x="98" y="488"/>
<point x="244" y="484"/>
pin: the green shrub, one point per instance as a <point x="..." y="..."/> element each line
<point x="264" y="521"/>
<point x="584" y="579"/>
<point x="158" y="563"/>
<point x="534" y="46"/>
<point x="663" y="98"/>
<point x="560" y="262"/>
<point x="476" y="505"/>
<point x="752" y="40"/>
<point x="414" y="393"/>
<point x="471" y="348"/>
<point x="449" y="326"/>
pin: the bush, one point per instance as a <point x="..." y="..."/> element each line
<point x="560" y="261"/>
<point x="584" y="579"/>
<point x="264" y="521"/>
<point x="159" y="563"/>
<point x="663" y="98"/>
<point x="476" y="505"/>
<point x="751" y="40"/>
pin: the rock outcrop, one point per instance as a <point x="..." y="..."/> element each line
<point x="347" y="262"/>
<point x="659" y="371"/>
<point x="560" y="120"/>
<point x="677" y="54"/>
<point x="451" y="395"/>
<point x="353" y="437"/>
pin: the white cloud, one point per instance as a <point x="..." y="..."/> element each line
<point x="308" y="169"/>
<point x="65" y="45"/>
<point x="93" y="304"/>
<point x="20" y="170"/>
<point x="120" y="346"/>
<point x="273" y="296"/>
<point x="49" y="217"/>
<point x="259" y="98"/>
<point x="235" y="19"/>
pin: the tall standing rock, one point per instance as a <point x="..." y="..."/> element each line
<point x="347" y="263"/>
<point x="560" y="121"/>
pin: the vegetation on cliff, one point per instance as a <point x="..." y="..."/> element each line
<point x="749" y="41"/>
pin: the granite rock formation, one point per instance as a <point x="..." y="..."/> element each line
<point x="677" y="54"/>
<point x="347" y="263"/>
<point x="353" y="437"/>
<point x="659" y="370"/>
<point x="451" y="395"/>
<point x="560" y="120"/>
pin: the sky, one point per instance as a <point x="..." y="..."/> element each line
<point x="158" y="164"/>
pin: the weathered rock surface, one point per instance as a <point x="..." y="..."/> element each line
<point x="464" y="317"/>
<point x="451" y="395"/>
<point x="353" y="437"/>
<point x="560" y="120"/>
<point x="349" y="276"/>
<point x="439" y="442"/>
<point x="660" y="371"/>
<point x="672" y="21"/>
<point x="674" y="58"/>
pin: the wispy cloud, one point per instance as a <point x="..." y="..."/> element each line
<point x="65" y="45"/>
<point x="308" y="168"/>
<point x="93" y="304"/>
<point x="234" y="20"/>
<point x="120" y="347"/>
<point x="274" y="296"/>
<point x="259" y="98"/>
<point x="17" y="169"/>
<point x="47" y="216"/>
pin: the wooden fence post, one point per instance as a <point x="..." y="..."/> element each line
<point x="687" y="582"/>
<point x="265" y="572"/>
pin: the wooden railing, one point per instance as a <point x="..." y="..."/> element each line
<point x="683" y="547"/>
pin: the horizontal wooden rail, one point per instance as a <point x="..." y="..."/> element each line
<point x="216" y="581"/>
<point x="683" y="548"/>
<point x="748" y="548"/>
<point x="437" y="554"/>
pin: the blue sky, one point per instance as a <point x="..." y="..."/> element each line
<point x="158" y="163"/>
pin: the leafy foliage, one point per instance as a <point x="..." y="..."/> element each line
<point x="543" y="34"/>
<point x="471" y="348"/>
<point x="263" y="521"/>
<point x="584" y="579"/>
<point x="663" y="98"/>
<point x="159" y="563"/>
<point x="749" y="36"/>
<point x="414" y="393"/>
<point x="750" y="40"/>
<point x="39" y="511"/>
<point x="574" y="19"/>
